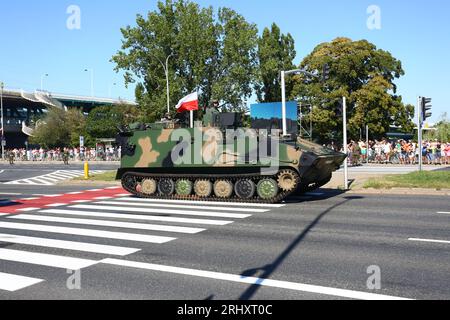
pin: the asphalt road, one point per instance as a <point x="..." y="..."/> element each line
<point x="327" y="245"/>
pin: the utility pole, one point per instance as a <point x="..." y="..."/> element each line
<point x="283" y="102"/>
<point x="419" y="131"/>
<point x="42" y="81"/>
<point x="367" y="143"/>
<point x="344" y="114"/>
<point x="2" y="121"/>
<point x="92" y="81"/>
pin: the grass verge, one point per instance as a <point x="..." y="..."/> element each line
<point x="109" y="176"/>
<point x="427" y="179"/>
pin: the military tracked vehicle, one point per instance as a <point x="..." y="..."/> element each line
<point x="218" y="161"/>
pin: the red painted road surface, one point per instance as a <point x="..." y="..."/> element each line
<point x="29" y="204"/>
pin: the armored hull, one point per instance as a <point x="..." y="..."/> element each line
<point x="210" y="164"/>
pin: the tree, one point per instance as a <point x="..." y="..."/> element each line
<point x="214" y="56"/>
<point x="103" y="122"/>
<point x="276" y="52"/>
<point x="442" y="132"/>
<point x="59" y="129"/>
<point x="365" y="76"/>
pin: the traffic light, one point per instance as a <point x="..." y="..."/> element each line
<point x="325" y="72"/>
<point x="425" y="109"/>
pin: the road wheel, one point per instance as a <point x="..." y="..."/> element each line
<point x="166" y="187"/>
<point x="149" y="187"/>
<point x="223" y="189"/>
<point x="203" y="188"/>
<point x="267" y="189"/>
<point x="183" y="187"/>
<point x="245" y="189"/>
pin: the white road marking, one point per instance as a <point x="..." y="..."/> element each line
<point x="113" y="188"/>
<point x="163" y="211"/>
<point x="29" y="199"/>
<point x="209" y="203"/>
<point x="429" y="240"/>
<point x="77" y="192"/>
<point x="182" y="206"/>
<point x="28" y="209"/>
<point x="125" y="225"/>
<point x="137" y="217"/>
<point x="444" y="212"/>
<point x="253" y="281"/>
<point x="95" y="190"/>
<point x="81" y="201"/>
<point x="47" y="260"/>
<point x="11" y="282"/>
<point x="51" y="178"/>
<point x="87" y="233"/>
<point x="68" y="245"/>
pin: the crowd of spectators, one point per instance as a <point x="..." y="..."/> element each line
<point x="404" y="152"/>
<point x="73" y="154"/>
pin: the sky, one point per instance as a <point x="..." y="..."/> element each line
<point x="36" y="41"/>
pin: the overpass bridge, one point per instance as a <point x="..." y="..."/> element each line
<point x="20" y="107"/>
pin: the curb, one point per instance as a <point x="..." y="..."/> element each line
<point x="402" y="191"/>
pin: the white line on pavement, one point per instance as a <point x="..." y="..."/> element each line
<point x="125" y="225"/>
<point x="163" y="211"/>
<point x="11" y="282"/>
<point x="444" y="212"/>
<point x="253" y="281"/>
<point x="210" y="203"/>
<point x="182" y="206"/>
<point x="137" y="217"/>
<point x="68" y="245"/>
<point x="45" y="259"/>
<point x="429" y="240"/>
<point x="87" y="233"/>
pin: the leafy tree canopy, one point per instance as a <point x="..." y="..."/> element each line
<point x="276" y="52"/>
<point x="214" y="54"/>
<point x="60" y="129"/>
<point x="365" y="76"/>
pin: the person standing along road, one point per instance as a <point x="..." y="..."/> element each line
<point x="11" y="157"/>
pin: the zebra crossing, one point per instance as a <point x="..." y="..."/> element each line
<point x="104" y="227"/>
<point x="52" y="178"/>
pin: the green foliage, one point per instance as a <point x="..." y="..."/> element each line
<point x="276" y="52"/>
<point x="60" y="129"/>
<point x="365" y="76"/>
<point x="103" y="122"/>
<point x="215" y="56"/>
<point x="442" y="132"/>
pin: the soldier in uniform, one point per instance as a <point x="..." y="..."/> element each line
<point x="210" y="114"/>
<point x="66" y="156"/>
<point x="11" y="157"/>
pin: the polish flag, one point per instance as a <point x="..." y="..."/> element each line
<point x="188" y="103"/>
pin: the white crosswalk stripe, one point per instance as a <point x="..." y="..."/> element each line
<point x="11" y="282"/>
<point x="52" y="178"/>
<point x="109" y="220"/>
<point x="162" y="211"/>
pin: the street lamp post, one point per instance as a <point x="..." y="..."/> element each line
<point x="92" y="81"/>
<point x="42" y="81"/>
<point x="166" y="71"/>
<point x="283" y="92"/>
<point x="110" y="88"/>
<point x="2" y="123"/>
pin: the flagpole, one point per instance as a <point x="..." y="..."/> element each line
<point x="192" y="119"/>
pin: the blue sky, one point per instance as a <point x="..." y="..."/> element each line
<point x="36" y="41"/>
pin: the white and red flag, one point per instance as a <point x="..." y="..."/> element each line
<point x="188" y="103"/>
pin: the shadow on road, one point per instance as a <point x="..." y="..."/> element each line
<point x="317" y="195"/>
<point x="269" y="269"/>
